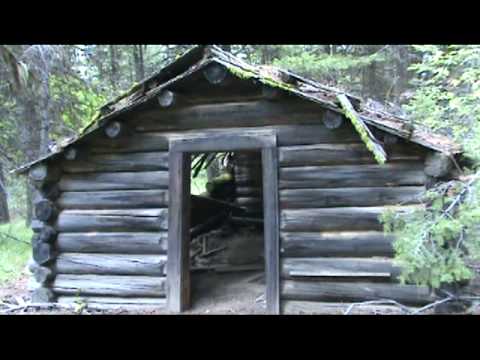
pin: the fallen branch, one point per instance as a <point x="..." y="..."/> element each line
<point x="426" y="307"/>
<point x="377" y="302"/>
<point x="38" y="306"/>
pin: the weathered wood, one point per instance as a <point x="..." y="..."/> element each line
<point x="110" y="264"/>
<point x="338" y="291"/>
<point x="114" y="199"/>
<point x="328" y="308"/>
<point x="118" y="162"/>
<point x="251" y="191"/>
<point x="43" y="253"/>
<point x="115" y="303"/>
<point x="43" y="274"/>
<point x="286" y="135"/>
<point x="44" y="173"/>
<point x="122" y="243"/>
<point x="359" y="244"/>
<point x="249" y="201"/>
<point x="42" y="295"/>
<point x="328" y="154"/>
<point x="112" y="285"/>
<point x="178" y="265"/>
<point x="254" y="138"/>
<point x="333" y="219"/>
<point x="437" y="165"/>
<point x="166" y="98"/>
<point x="400" y="174"/>
<point x="215" y="73"/>
<point x="363" y="130"/>
<point x="339" y="268"/>
<point x="271" y="93"/>
<point x="114" y="129"/>
<point x="129" y="220"/>
<point x="70" y="154"/>
<point x="47" y="234"/>
<point x="37" y="225"/>
<point x="332" y="120"/>
<point x="390" y="139"/>
<point x="336" y="197"/>
<point x="45" y="210"/>
<point x="114" y="181"/>
<point x="271" y="228"/>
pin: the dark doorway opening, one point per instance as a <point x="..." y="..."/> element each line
<point x="226" y="233"/>
<point x="180" y="215"/>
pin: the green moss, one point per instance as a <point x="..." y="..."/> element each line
<point x="350" y="113"/>
<point x="267" y="80"/>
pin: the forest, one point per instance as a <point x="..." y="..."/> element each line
<point x="49" y="93"/>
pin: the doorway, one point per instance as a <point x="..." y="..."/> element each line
<point x="178" y="263"/>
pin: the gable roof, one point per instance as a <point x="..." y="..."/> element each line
<point x="201" y="56"/>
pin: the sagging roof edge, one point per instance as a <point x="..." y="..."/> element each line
<point x="201" y="56"/>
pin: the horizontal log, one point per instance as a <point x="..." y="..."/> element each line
<point x="114" y="199"/>
<point x="249" y="201"/>
<point x="45" y="210"/>
<point x="122" y="243"/>
<point x="355" y="244"/>
<point x="42" y="295"/>
<point x="70" y="154"/>
<point x="336" y="197"/>
<point x="150" y="161"/>
<point x="128" y="220"/>
<point x="345" y="292"/>
<point x="328" y="154"/>
<point x="248" y="191"/>
<point x="216" y="73"/>
<point x="334" y="219"/>
<point x="286" y="135"/>
<point x="396" y="174"/>
<point x="42" y="274"/>
<point x="43" y="253"/>
<point x="166" y="98"/>
<point x="110" y="264"/>
<point x="44" y="173"/>
<point x="111" y="285"/>
<point x="115" y="181"/>
<point x="234" y="114"/>
<point x="114" y="129"/>
<point x="115" y="303"/>
<point x="291" y="307"/>
<point x="47" y="234"/>
<point x="438" y="165"/>
<point x="339" y="268"/>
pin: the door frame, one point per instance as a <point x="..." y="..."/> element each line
<point x="178" y="260"/>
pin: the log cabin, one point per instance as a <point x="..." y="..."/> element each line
<point x="112" y="211"/>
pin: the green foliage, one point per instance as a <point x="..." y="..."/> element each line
<point x="433" y="243"/>
<point x="448" y="92"/>
<point x="198" y="184"/>
<point x="81" y="104"/>
<point x="15" y="250"/>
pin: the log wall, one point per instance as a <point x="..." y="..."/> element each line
<point x="111" y="219"/>
<point x="333" y="249"/>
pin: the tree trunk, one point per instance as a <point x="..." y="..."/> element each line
<point x="4" y="214"/>
<point x="113" y="67"/>
<point x="138" y="62"/>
